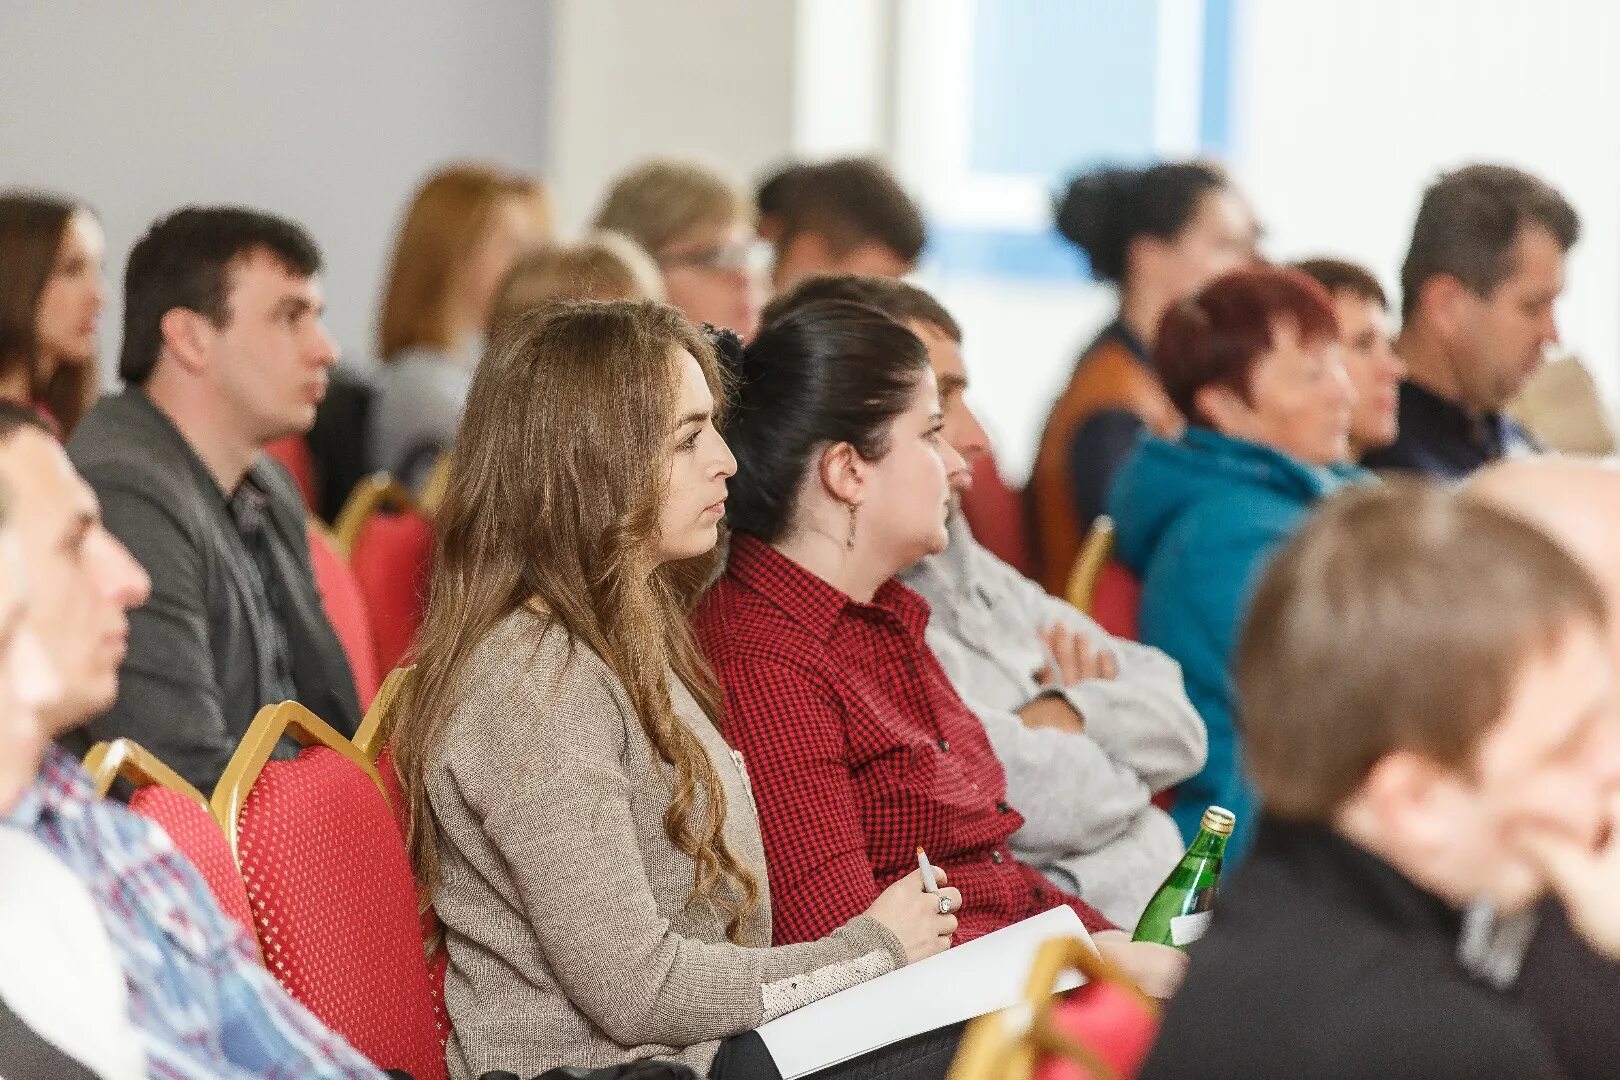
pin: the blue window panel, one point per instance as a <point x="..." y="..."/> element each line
<point x="1215" y="98"/>
<point x="1011" y="254"/>
<point x="1062" y="84"/>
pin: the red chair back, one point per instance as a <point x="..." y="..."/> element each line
<point x="432" y="930"/>
<point x="346" y="609"/>
<point x="293" y="453"/>
<point x="198" y="837"/>
<point x="332" y="891"/>
<point x="1109" y="1021"/>
<point x="392" y="559"/>
<point x="1116" y="602"/>
<point x="998" y="517"/>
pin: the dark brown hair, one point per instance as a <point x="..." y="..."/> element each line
<point x="1102" y="211"/>
<point x="1216" y="336"/>
<point x="848" y="201"/>
<point x="1468" y="223"/>
<point x="1399" y="618"/>
<point x="1341" y="276"/>
<point x="553" y="503"/>
<point x="827" y="373"/>
<point x="898" y="300"/>
<point x="32" y="225"/>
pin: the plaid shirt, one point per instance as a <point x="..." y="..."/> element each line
<point x="859" y="751"/>
<point x="202" y="1005"/>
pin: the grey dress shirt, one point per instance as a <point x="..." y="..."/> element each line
<point x="1089" y="823"/>
<point x="204" y="652"/>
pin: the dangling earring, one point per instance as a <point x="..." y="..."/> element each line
<point x="849" y="541"/>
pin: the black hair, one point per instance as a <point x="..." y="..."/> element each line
<point x="183" y="261"/>
<point x="826" y="373"/>
<point x="1102" y="211"/>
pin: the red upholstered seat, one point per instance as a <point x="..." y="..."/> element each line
<point x="293" y="453"/>
<point x="346" y="609"/>
<point x="334" y="901"/>
<point x="432" y="931"/>
<point x="1115" y="603"/>
<point x="998" y="517"/>
<point x="392" y="558"/>
<point x="199" y="838"/>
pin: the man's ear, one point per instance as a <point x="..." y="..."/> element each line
<point x="1410" y="798"/>
<point x="1443" y="300"/>
<point x="187" y="337"/>
<point x="843" y="474"/>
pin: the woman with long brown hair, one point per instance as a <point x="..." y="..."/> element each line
<point x="588" y="839"/>
<point x="465" y="228"/>
<point x="51" y="294"/>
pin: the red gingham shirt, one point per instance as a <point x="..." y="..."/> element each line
<point x="859" y="751"/>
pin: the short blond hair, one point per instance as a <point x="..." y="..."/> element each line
<point x="604" y="266"/>
<point x="659" y="201"/>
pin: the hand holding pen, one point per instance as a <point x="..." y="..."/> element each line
<point x="919" y="910"/>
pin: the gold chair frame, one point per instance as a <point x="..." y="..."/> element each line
<point x="373" y="494"/>
<point x="1095" y="552"/>
<point x="107" y="761"/>
<point x="271" y="723"/>
<point x="377" y="725"/>
<point x="1007" y="1045"/>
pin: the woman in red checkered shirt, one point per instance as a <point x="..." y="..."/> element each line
<point x="859" y="749"/>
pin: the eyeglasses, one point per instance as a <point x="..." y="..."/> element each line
<point x="751" y="256"/>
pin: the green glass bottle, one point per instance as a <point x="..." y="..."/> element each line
<point x="1180" y="911"/>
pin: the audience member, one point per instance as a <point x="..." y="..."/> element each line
<point x="844" y="216"/>
<point x="51" y="292"/>
<point x="859" y="748"/>
<point x="64" y="1012"/>
<point x="1159" y="234"/>
<point x="604" y="891"/>
<point x="224" y="351"/>
<point x="465" y="228"/>
<point x="1569" y="985"/>
<point x="606" y="266"/>
<point x="699" y="228"/>
<point x="1375" y="371"/>
<point x="202" y="1005"/>
<point x="1478" y="286"/>
<point x="1252" y="362"/>
<point x="1397" y="791"/>
<point x="1084" y="745"/>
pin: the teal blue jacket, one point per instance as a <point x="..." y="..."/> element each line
<point x="1196" y="521"/>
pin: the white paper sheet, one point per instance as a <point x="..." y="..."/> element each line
<point x="963" y="982"/>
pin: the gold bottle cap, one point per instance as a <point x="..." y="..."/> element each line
<point x="1219" y="820"/>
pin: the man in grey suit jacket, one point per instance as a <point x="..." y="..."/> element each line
<point x="224" y="352"/>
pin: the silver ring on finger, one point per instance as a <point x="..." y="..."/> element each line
<point x="944" y="905"/>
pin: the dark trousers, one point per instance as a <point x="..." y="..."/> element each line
<point x="922" y="1057"/>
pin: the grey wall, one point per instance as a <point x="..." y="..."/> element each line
<point x="326" y="110"/>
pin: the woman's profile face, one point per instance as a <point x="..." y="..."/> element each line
<point x="510" y="233"/>
<point x="708" y="274"/>
<point x="700" y="463"/>
<point x="1299" y="400"/>
<point x="908" y="492"/>
<point x="70" y="304"/>
<point x="1220" y="236"/>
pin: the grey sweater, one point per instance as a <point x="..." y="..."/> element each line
<point x="572" y="935"/>
<point x="1089" y="823"/>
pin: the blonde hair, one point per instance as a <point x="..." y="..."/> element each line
<point x="553" y="503"/>
<point x="658" y="202"/>
<point x="442" y="227"/>
<point x="606" y="266"/>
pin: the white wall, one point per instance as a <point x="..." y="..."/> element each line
<point x="1347" y="112"/>
<point x="328" y="112"/>
<point x="711" y="79"/>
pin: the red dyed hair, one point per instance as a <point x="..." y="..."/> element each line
<point x="1216" y="336"/>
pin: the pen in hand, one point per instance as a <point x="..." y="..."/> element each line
<point x="927" y="870"/>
